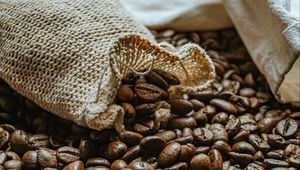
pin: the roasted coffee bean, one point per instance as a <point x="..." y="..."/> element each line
<point x="152" y="145"/>
<point x="67" y="154"/>
<point x="200" y="161"/>
<point x="132" y="153"/>
<point x="125" y="93"/>
<point x="186" y="152"/>
<point x="181" y="122"/>
<point x="266" y="125"/>
<point x="145" y="109"/>
<point x="169" y="154"/>
<point x="115" y="150"/>
<point x="76" y="165"/>
<point x="86" y="149"/>
<point x="294" y="160"/>
<point x="178" y="166"/>
<point x="29" y="160"/>
<point x="203" y="136"/>
<point x="200" y="117"/>
<point x="148" y="92"/>
<point x="248" y="124"/>
<point x="39" y="141"/>
<point x="140" y="165"/>
<point x="204" y="96"/>
<point x="19" y="142"/>
<point x="272" y="163"/>
<point x="259" y="143"/>
<point x="241" y="158"/>
<point x="197" y="105"/>
<point x="247" y="92"/>
<point x="254" y="166"/>
<point x="4" y="137"/>
<point x="276" y="141"/>
<point x="224" y="105"/>
<point x="233" y="126"/>
<point x="12" y="155"/>
<point x="216" y="159"/>
<point x="275" y="154"/>
<point x="97" y="161"/>
<point x="242" y="135"/>
<point x="219" y="132"/>
<point x="167" y="135"/>
<point x="13" y="165"/>
<point x="118" y="164"/>
<point x="222" y="146"/>
<point x="258" y="156"/>
<point x="170" y="78"/>
<point x="154" y="78"/>
<point x="220" y="118"/>
<point x="243" y="147"/>
<point x="290" y="150"/>
<point x="131" y="138"/>
<point x="180" y="106"/>
<point x="47" y="158"/>
<point x="3" y="157"/>
<point x="202" y="149"/>
<point x="130" y="113"/>
<point x="184" y="140"/>
<point x="287" y="127"/>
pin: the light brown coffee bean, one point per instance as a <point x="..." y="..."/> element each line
<point x="76" y="165"/>
<point x="118" y="164"/>
<point x="125" y="93"/>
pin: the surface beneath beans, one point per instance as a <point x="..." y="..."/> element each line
<point x="234" y="124"/>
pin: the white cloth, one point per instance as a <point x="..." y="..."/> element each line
<point x="270" y="30"/>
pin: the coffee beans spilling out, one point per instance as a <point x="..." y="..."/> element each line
<point x="233" y="124"/>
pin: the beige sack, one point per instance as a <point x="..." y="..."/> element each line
<point x="69" y="56"/>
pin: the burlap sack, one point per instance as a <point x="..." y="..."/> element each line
<point x="68" y="56"/>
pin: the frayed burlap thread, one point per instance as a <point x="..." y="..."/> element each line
<point x="69" y="56"/>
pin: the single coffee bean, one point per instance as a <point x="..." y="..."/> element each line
<point x="19" y="142"/>
<point x="178" y="166"/>
<point x="76" y="165"/>
<point x="200" y="117"/>
<point x="259" y="143"/>
<point x="186" y="152"/>
<point x="242" y="135"/>
<point x="272" y="163"/>
<point x="125" y="93"/>
<point x="132" y="153"/>
<point x="118" y="165"/>
<point x="241" y="158"/>
<point x="180" y="106"/>
<point x="248" y="124"/>
<point x="203" y="136"/>
<point x="200" y="161"/>
<point x="181" y="122"/>
<point x="197" y="105"/>
<point x="115" y="150"/>
<point x="131" y="138"/>
<point x="220" y="118"/>
<point x="184" y="140"/>
<point x="152" y="145"/>
<point x="86" y="149"/>
<point x="219" y="132"/>
<point x="4" y="137"/>
<point x="291" y="150"/>
<point x="243" y="147"/>
<point x="216" y="159"/>
<point x="13" y="165"/>
<point x="266" y="125"/>
<point x="287" y="127"/>
<point x="169" y="154"/>
<point x="145" y="109"/>
<point x="154" y="78"/>
<point x="247" y="92"/>
<point x="254" y="166"/>
<point x="294" y="160"/>
<point x="140" y="165"/>
<point x="170" y="78"/>
<point x="222" y="146"/>
<point x="224" y="105"/>
<point x="167" y="135"/>
<point x="47" y="158"/>
<point x="29" y="160"/>
<point x="233" y="126"/>
<point x="67" y="154"/>
<point x="97" y="161"/>
<point x="276" y="141"/>
<point x="258" y="156"/>
<point x="39" y="141"/>
<point x="275" y="154"/>
<point x="202" y="149"/>
<point x="148" y="92"/>
<point x="204" y="96"/>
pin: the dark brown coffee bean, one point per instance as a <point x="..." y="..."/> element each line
<point x="67" y="154"/>
<point x="276" y="141"/>
<point x="203" y="136"/>
<point x="219" y="132"/>
<point x="202" y="149"/>
<point x="275" y="154"/>
<point x="167" y="135"/>
<point x="287" y="127"/>
<point x="222" y="146"/>
<point x="140" y="165"/>
<point x="4" y="137"/>
<point x="224" y="105"/>
<point x="76" y="165"/>
<point x="125" y="93"/>
<point x="242" y="135"/>
<point x="254" y="166"/>
<point x="233" y="126"/>
<point x="13" y="165"/>
<point x="276" y="114"/>
<point x="200" y="117"/>
<point x="145" y="128"/>
<point x="220" y="118"/>
<point x="216" y="159"/>
<point x="97" y="161"/>
<point x="243" y="147"/>
<point x="86" y="149"/>
<point x="47" y="158"/>
<point x="169" y="154"/>
<point x="131" y="138"/>
<point x="145" y="109"/>
<point x="294" y="160"/>
<point x="197" y="105"/>
<point x="241" y="158"/>
<point x="19" y="142"/>
<point x="29" y="160"/>
<point x="203" y="96"/>
<point x="118" y="165"/>
<point x="200" y="161"/>
<point x="152" y="145"/>
<point x="115" y="150"/>
<point x="130" y="113"/>
<point x="148" y="92"/>
<point x="248" y="124"/>
<point x="272" y="163"/>
<point x="170" y="78"/>
<point x="258" y="156"/>
<point x="266" y="125"/>
<point x="180" y="106"/>
<point x="39" y="141"/>
<point x="132" y="153"/>
<point x="178" y="166"/>
<point x="181" y="122"/>
<point x="154" y="78"/>
<point x="259" y="143"/>
<point x="186" y="152"/>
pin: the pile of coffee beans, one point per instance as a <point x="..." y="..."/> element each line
<point x="234" y="124"/>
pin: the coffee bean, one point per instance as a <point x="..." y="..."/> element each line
<point x="152" y="145"/>
<point x="291" y="150"/>
<point x="197" y="105"/>
<point x="39" y="141"/>
<point x="145" y="109"/>
<point x="200" y="161"/>
<point x="67" y="154"/>
<point x="248" y="124"/>
<point x="97" y="161"/>
<point x="255" y="166"/>
<point x="180" y="106"/>
<point x="131" y="138"/>
<point x="216" y="159"/>
<point x="132" y="153"/>
<point x="294" y="160"/>
<point x="241" y="158"/>
<point x="19" y="142"/>
<point x="220" y="118"/>
<point x="203" y="96"/>
<point x="287" y="127"/>
<point x="276" y="141"/>
<point x="140" y="165"/>
<point x="76" y="165"/>
<point x="272" y="163"/>
<point x="118" y="164"/>
<point x="8" y="127"/>
<point x="184" y="140"/>
<point x="130" y="113"/>
<point x="258" y="156"/>
<point x="125" y="93"/>
<point x="170" y="78"/>
<point x="247" y="92"/>
<point x="222" y="146"/>
<point x="12" y="155"/>
<point x="178" y="166"/>
<point x="181" y="122"/>
<point x="169" y="154"/>
<point x="203" y="136"/>
<point x="29" y="160"/>
<point x="224" y="105"/>
<point x="242" y="135"/>
<point x="86" y="149"/>
<point x="259" y="143"/>
<point x="115" y="150"/>
<point x="47" y="158"/>
<point x="233" y="126"/>
<point x="167" y="135"/>
<point x="275" y="154"/>
<point x="186" y="152"/>
<point x="13" y="165"/>
<point x="200" y="117"/>
<point x="243" y="147"/>
<point x="4" y="137"/>
<point x="148" y="92"/>
<point x="154" y="78"/>
<point x="3" y="157"/>
<point x="219" y="132"/>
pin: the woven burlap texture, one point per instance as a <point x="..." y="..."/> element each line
<point x="69" y="56"/>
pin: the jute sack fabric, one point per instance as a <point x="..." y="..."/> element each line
<point x="69" y="56"/>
